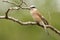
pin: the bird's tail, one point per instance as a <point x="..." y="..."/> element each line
<point x="42" y="24"/>
<point x="45" y="21"/>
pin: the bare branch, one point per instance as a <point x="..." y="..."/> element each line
<point x="10" y="2"/>
<point x="54" y="29"/>
<point x="22" y="2"/>
<point x="30" y="23"/>
<point x="20" y="22"/>
<point x="12" y="8"/>
<point x="17" y="21"/>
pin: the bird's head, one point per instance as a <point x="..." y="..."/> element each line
<point x="32" y="6"/>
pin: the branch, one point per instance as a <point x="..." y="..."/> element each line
<point x="22" y="2"/>
<point x="30" y="23"/>
<point x="54" y="29"/>
<point x="10" y="2"/>
<point x="24" y="23"/>
<point x="14" y="8"/>
<point x="17" y="21"/>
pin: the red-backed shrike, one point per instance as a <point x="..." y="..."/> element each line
<point x="38" y="17"/>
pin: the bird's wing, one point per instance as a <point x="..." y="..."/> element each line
<point x="42" y="18"/>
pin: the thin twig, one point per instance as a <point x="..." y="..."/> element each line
<point x="14" y="8"/>
<point x="23" y="2"/>
<point x="10" y="2"/>
<point x="15" y="3"/>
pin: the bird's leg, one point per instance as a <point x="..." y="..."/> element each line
<point x="45" y="27"/>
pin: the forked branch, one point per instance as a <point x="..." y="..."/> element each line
<point x="22" y="2"/>
<point x="20" y="22"/>
<point x="14" y="8"/>
<point x="29" y="23"/>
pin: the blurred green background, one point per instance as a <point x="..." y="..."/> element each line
<point x="10" y="30"/>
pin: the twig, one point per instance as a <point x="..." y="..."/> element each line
<point x="22" y="2"/>
<point x="15" y="3"/>
<point x="10" y="2"/>
<point x="14" y="8"/>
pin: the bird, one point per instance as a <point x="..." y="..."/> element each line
<point x="38" y="18"/>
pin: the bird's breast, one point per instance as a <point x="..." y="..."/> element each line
<point x="35" y="15"/>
